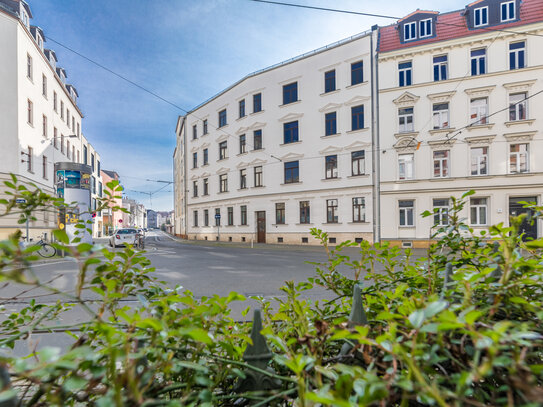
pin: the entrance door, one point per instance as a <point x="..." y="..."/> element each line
<point x="261" y="227"/>
<point x="529" y="225"/>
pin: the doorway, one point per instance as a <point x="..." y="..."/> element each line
<point x="529" y="225"/>
<point x="261" y="227"/>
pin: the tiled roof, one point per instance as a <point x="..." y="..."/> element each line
<point x="453" y="25"/>
<point x="417" y="12"/>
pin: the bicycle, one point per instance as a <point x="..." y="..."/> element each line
<point x="45" y="250"/>
<point x="139" y="241"/>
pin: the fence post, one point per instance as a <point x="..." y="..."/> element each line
<point x="357" y="317"/>
<point x="5" y="385"/>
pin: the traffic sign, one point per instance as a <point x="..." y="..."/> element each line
<point x="217" y="216"/>
<point x="20" y="200"/>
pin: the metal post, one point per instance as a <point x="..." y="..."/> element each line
<point x="219" y="232"/>
<point x="27" y="237"/>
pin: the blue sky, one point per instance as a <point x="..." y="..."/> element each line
<point x="186" y="51"/>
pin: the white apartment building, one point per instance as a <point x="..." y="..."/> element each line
<point x="281" y="151"/>
<point x="460" y="108"/>
<point x="90" y="157"/>
<point x="40" y="122"/>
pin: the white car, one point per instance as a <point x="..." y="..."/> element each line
<point x="123" y="236"/>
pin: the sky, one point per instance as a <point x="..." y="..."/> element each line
<point x="185" y="51"/>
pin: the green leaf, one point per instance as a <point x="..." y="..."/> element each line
<point x="74" y="384"/>
<point x="472" y="316"/>
<point x="435" y="308"/>
<point x="417" y="318"/>
<point x="61" y="236"/>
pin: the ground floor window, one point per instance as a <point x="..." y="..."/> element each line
<point x="331" y="211"/>
<point x="280" y="213"/>
<point x="359" y="210"/>
<point x="406" y="212"/>
<point x="441" y="212"/>
<point x="478" y="211"/>
<point x="304" y="212"/>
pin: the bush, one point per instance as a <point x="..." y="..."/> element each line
<point x="459" y="327"/>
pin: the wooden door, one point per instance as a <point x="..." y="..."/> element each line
<point x="261" y="227"/>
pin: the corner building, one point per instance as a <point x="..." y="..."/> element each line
<point x="461" y="108"/>
<point x="281" y="151"/>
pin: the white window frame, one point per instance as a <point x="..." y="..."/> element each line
<point x="442" y="212"/>
<point x="478" y="111"/>
<point x="477" y="58"/>
<point x="424" y="23"/>
<point x="517" y="104"/>
<point x="443" y="163"/>
<point x="509" y="18"/>
<point x="406" y="166"/>
<point x="406" y="127"/>
<point x="440" y="115"/>
<point x="518" y="156"/>
<point x="480" y="10"/>
<point x="403" y="72"/>
<point x="479" y="207"/>
<point x="477" y="161"/>
<point x="439" y="65"/>
<point x="406" y="210"/>
<point x="407" y="29"/>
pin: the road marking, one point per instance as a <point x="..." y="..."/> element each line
<point x="54" y="262"/>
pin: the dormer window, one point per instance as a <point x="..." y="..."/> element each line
<point x="480" y="17"/>
<point x="40" y="42"/>
<point x="507" y="11"/>
<point x="410" y="31"/>
<point x="425" y="28"/>
<point x="24" y="17"/>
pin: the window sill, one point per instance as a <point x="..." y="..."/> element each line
<point x="243" y="189"/>
<point x="257" y="113"/>
<point x="259" y="149"/>
<point x="407" y="134"/>
<point x="240" y="154"/>
<point x="480" y="126"/>
<point x="289" y="144"/>
<point x="292" y="183"/>
<point x="205" y="165"/>
<point x="520" y="122"/>
<point x="304" y="224"/>
<point x="331" y="179"/>
<point x="222" y="127"/>
<point x="330" y="93"/>
<point x="331" y="135"/>
<point x="291" y="103"/>
<point x="406" y="180"/>
<point x="519" y="174"/>
<point x="440" y="179"/>
<point x="356" y="85"/>
<point x="258" y="187"/>
<point x="359" y="176"/>
<point x="241" y="118"/>
<point x="229" y="226"/>
<point x="222" y="159"/>
<point x="406" y="226"/>
<point x="444" y="130"/>
<point x="279" y="224"/>
<point x="362" y="222"/>
<point x="243" y="225"/>
<point x="358" y="130"/>
<point x="223" y="192"/>
<point x="332" y="223"/>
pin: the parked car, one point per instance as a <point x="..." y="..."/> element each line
<point x="123" y="236"/>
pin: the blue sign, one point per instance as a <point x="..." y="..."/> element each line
<point x="217" y="216"/>
<point x="20" y="200"/>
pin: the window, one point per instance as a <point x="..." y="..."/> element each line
<point x="100" y="189"/>
<point x="222" y="118"/>
<point x="243" y="210"/>
<point x="206" y="186"/>
<point x="230" y="212"/>
<point x="330" y="166"/>
<point x="507" y="11"/>
<point x="92" y="162"/>
<point x="478" y="61"/>
<point x="441" y="212"/>
<point x="68" y="150"/>
<point x="290" y="132"/>
<point x="357" y="117"/>
<point x="85" y="154"/>
<point x="441" y="164"/>
<point x="55" y="101"/>
<point x="440" y="68"/>
<point x="441" y="116"/>
<point x="29" y="67"/>
<point x="243" y="178"/>
<point x="258" y="176"/>
<point x="62" y="110"/>
<point x="478" y="209"/>
<point x="194" y="189"/>
<point x="517" y="55"/>
<point x="517" y="106"/>
<point x="73" y="124"/>
<point x="217" y="218"/>
<point x="479" y="161"/>
<point x="405" y="71"/>
<point x="204" y="125"/>
<point x="30" y="156"/>
<point x="290" y="93"/>
<point x="304" y="212"/>
<point x="406" y="212"/>
<point x="405" y="120"/>
<point x="479" y="111"/>
<point x="358" y="162"/>
<point x="330" y="81"/>
<point x="44" y="126"/>
<point x="55" y="138"/>
<point x="222" y="150"/>
<point x="359" y="210"/>
<point x="357" y="73"/>
<point x="242" y="144"/>
<point x="206" y="156"/>
<point x="257" y="102"/>
<point x="68" y="117"/>
<point x="30" y="113"/>
<point x="62" y="145"/>
<point x="480" y="16"/>
<point x="44" y="86"/>
<point x="257" y="140"/>
<point x="425" y="28"/>
<point x="331" y="211"/>
<point x="195" y="218"/>
<point x="242" y="108"/>
<point x="73" y="153"/>
<point x="44" y="167"/>
<point x="292" y="172"/>
<point x="206" y="217"/>
<point x="223" y="183"/>
<point x="78" y="130"/>
<point x="330" y="123"/>
<point x="518" y="158"/>
<point x="410" y="31"/>
<point x="194" y="132"/>
<point x="406" y="166"/>
<point x="280" y="213"/>
<point x="194" y="160"/>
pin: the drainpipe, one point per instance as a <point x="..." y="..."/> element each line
<point x="376" y="156"/>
